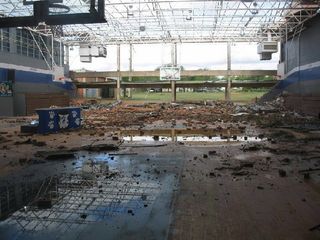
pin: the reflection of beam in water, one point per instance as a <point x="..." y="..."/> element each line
<point x="79" y="200"/>
<point x="187" y="135"/>
<point x="13" y="197"/>
<point x="179" y="132"/>
<point x="194" y="139"/>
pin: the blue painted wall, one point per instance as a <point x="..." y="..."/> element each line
<point x="24" y="77"/>
<point x="32" y="77"/>
<point x="302" y="61"/>
<point x="302" y="82"/>
<point x="29" y="82"/>
<point x="3" y="75"/>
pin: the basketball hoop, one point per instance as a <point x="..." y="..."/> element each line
<point x="170" y="73"/>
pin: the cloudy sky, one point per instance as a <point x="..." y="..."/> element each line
<point x="191" y="56"/>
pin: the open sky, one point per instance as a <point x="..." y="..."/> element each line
<point x="191" y="56"/>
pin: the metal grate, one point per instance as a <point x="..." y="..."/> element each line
<point x="74" y="200"/>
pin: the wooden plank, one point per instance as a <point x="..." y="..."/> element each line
<point x="45" y="100"/>
<point x="76" y="75"/>
<point x="304" y="104"/>
<point x="178" y="84"/>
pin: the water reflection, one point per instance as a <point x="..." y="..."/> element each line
<point x="187" y="135"/>
<point x="72" y="202"/>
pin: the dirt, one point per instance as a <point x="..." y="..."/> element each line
<point x="244" y="176"/>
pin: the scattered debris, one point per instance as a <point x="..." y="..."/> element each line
<point x="103" y="124"/>
<point x="31" y="141"/>
<point x="282" y="173"/>
<point x="115" y="138"/>
<point x="240" y="173"/>
<point x="145" y="145"/>
<point x="144" y="197"/>
<point x="246" y="164"/>
<point x="251" y="147"/>
<point x="55" y="155"/>
<point x="316" y="227"/>
<point x="30" y="128"/>
<point x="285" y="161"/>
<point x="3" y="140"/>
<point x="212" y="152"/>
<point x="309" y="170"/>
<point x="100" y="147"/>
<point x="123" y="154"/>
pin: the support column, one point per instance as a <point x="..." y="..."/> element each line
<point x="118" y="89"/>
<point x="173" y="135"/>
<point x="173" y="91"/>
<point x="130" y="69"/>
<point x="52" y="52"/>
<point x="60" y="54"/>
<point x="12" y="38"/>
<point x="174" y="64"/>
<point x="174" y="55"/>
<point x="66" y="56"/>
<point x="228" y="86"/>
<point x="98" y="90"/>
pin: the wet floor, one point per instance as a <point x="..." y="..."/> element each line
<point x="187" y="135"/>
<point x="122" y="197"/>
<point x="190" y="139"/>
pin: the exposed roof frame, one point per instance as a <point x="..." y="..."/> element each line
<point x="189" y="21"/>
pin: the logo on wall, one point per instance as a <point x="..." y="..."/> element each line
<point x="5" y="89"/>
<point x="51" y="117"/>
<point x="63" y="120"/>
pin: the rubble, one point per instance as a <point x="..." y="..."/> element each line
<point x="99" y="147"/>
<point x="316" y="227"/>
<point x="240" y="173"/>
<point x="212" y="152"/>
<point x="246" y="164"/>
<point x="282" y="173"/>
<point x="249" y="153"/>
<point x="55" y="155"/>
<point x="34" y="142"/>
<point x="94" y="105"/>
<point x="3" y="139"/>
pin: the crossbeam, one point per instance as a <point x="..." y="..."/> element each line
<point x="252" y="84"/>
<point x="184" y="73"/>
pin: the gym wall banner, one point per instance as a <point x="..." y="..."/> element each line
<point x="5" y="89"/>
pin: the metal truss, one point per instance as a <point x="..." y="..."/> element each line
<point x="65" y="204"/>
<point x="167" y="21"/>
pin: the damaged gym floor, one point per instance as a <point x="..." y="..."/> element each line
<point x="209" y="170"/>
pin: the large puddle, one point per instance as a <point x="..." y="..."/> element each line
<point x="186" y="135"/>
<point x="105" y="197"/>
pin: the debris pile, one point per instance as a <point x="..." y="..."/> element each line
<point x="128" y="115"/>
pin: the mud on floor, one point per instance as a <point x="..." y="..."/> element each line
<point x="164" y="171"/>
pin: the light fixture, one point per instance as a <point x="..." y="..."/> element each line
<point x="189" y="16"/>
<point x="129" y="11"/>
<point x="142" y="28"/>
<point x="255" y="10"/>
<point x="242" y="32"/>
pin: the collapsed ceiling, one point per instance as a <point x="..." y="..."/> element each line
<point x="164" y="21"/>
